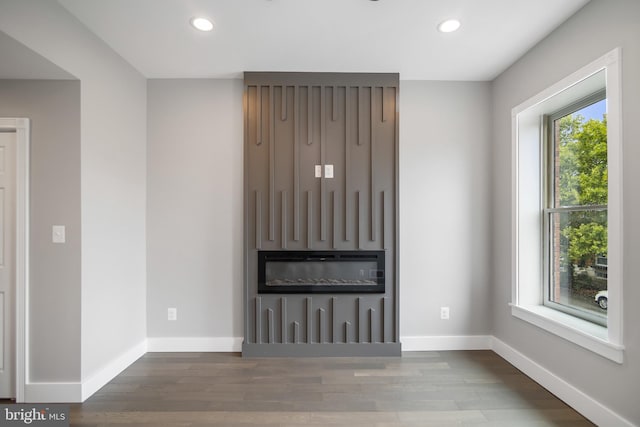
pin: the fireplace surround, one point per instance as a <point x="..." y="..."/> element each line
<point x="320" y="216"/>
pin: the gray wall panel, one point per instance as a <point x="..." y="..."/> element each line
<point x="316" y="119"/>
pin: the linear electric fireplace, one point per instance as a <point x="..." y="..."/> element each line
<point x="284" y="272"/>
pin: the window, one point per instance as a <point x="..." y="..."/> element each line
<point x="567" y="208"/>
<point x="575" y="216"/>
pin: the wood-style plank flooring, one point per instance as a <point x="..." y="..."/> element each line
<point x="474" y="388"/>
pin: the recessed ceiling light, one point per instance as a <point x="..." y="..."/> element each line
<point x="449" y="26"/>
<point x="202" y="24"/>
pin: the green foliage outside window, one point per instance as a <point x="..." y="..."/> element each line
<point x="583" y="181"/>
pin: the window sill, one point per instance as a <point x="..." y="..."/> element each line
<point x="580" y="332"/>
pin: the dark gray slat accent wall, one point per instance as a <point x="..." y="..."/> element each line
<point x="258" y="326"/>
<point x="309" y="116"/>
<point x="347" y="328"/>
<point x="359" y="103"/>
<point x="258" y="220"/>
<point x="272" y="162"/>
<point x="360" y="221"/>
<point x="334" y="108"/>
<point x="372" y="323"/>
<point x="296" y="164"/>
<point x="347" y="163"/>
<point x="334" y="224"/>
<point x="323" y="182"/>
<point x="372" y="172"/>
<point x="321" y="328"/>
<point x="334" y="320"/>
<point x="283" y="320"/>
<point x="383" y="312"/>
<point x="309" y="321"/>
<point x="283" y="102"/>
<point x="359" y="322"/>
<point x="259" y="115"/>
<point x="322" y="320"/>
<point x="296" y="332"/>
<point x="270" y="327"/>
<point x="283" y="221"/>
<point x="346" y="142"/>
<point x="309" y="219"/>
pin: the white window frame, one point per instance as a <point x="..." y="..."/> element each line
<point x="527" y="264"/>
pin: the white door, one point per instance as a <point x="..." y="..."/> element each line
<point x="7" y="263"/>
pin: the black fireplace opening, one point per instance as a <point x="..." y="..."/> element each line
<point x="286" y="272"/>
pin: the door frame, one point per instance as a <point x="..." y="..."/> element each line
<point x="21" y="128"/>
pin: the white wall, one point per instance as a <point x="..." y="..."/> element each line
<point x="194" y="213"/>
<point x="596" y="29"/>
<point x="113" y="177"/>
<point x="54" y="307"/>
<point x="195" y="207"/>
<point x="444" y="208"/>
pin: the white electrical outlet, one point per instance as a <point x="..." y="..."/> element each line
<point x="318" y="171"/>
<point x="172" y="313"/>
<point x="444" y="313"/>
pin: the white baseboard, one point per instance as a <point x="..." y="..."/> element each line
<point x="52" y="392"/>
<point x="584" y="404"/>
<point x="443" y="343"/>
<point x="110" y="371"/>
<point x="197" y="344"/>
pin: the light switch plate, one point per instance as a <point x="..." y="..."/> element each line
<point x="58" y="234"/>
<point x="318" y="171"/>
<point x="328" y="171"/>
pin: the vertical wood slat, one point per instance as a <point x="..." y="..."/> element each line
<point x="372" y="170"/>
<point x="272" y="166"/>
<point x="334" y="321"/>
<point x="270" y="330"/>
<point x="296" y="164"/>
<point x="335" y="234"/>
<point x="323" y="137"/>
<point x="296" y="332"/>
<point x="259" y="115"/>
<point x="383" y="220"/>
<point x="334" y="107"/>
<point x="284" y="223"/>
<point x="383" y="320"/>
<point x="393" y="314"/>
<point x="309" y="115"/>
<point x="258" y="320"/>
<point x="358" y="224"/>
<point x="384" y="119"/>
<point x="372" y="315"/>
<point x="347" y="163"/>
<point x="347" y="329"/>
<point x="283" y="102"/>
<point x="309" y="320"/>
<point x="309" y="220"/>
<point x="360" y="335"/>
<point x="258" y="223"/>
<point x="283" y="321"/>
<point x="321" y="324"/>
<point x="358" y="96"/>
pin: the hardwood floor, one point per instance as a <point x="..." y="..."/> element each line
<point x="475" y="388"/>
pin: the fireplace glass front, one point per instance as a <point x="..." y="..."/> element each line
<point x="321" y="272"/>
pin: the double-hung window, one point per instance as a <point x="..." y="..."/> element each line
<point x="567" y="208"/>
<point x="575" y="214"/>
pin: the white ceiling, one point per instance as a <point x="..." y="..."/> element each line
<point x="322" y="35"/>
